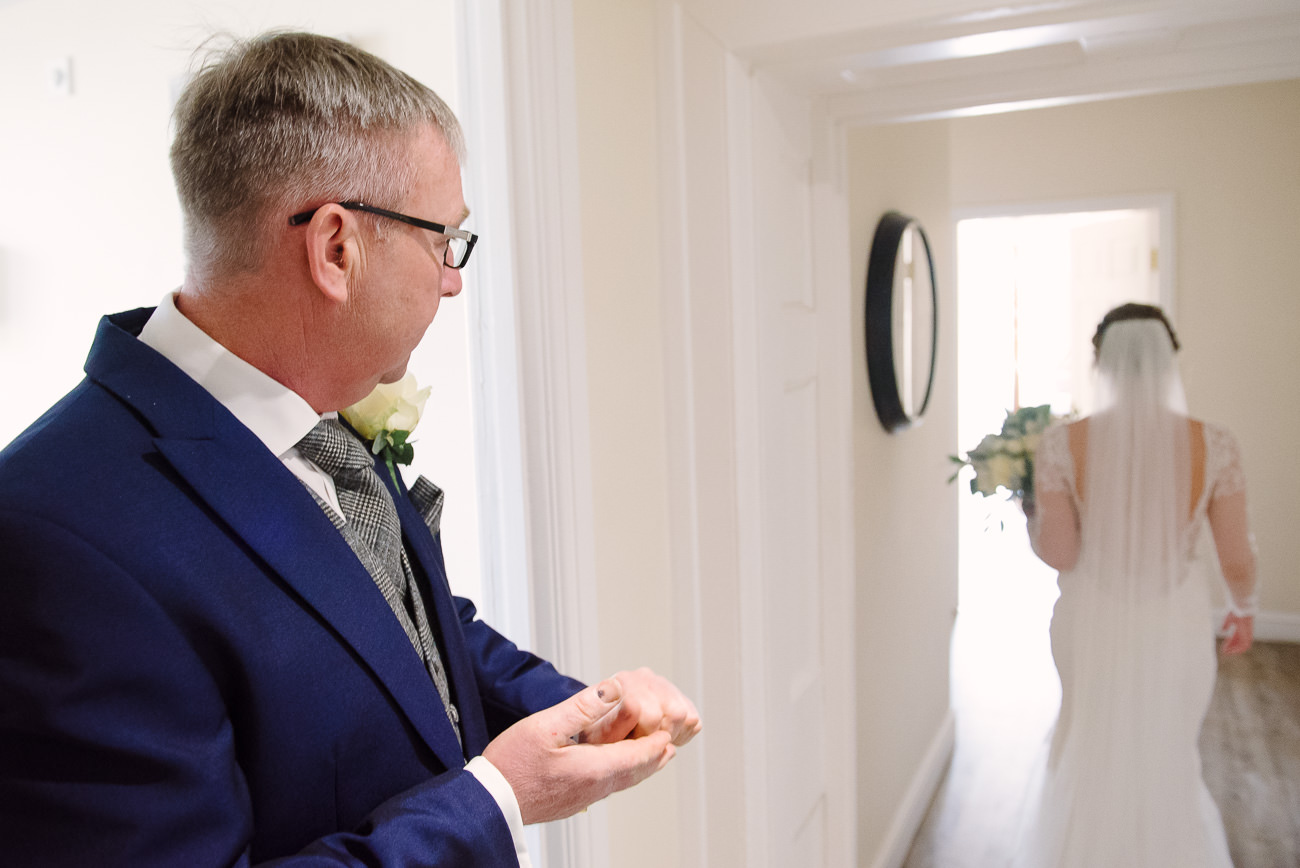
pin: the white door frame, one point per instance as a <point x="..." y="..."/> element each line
<point x="528" y="349"/>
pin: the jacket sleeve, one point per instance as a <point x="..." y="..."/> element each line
<point x="512" y="683"/>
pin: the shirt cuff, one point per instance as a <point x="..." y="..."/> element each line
<point x="499" y="789"/>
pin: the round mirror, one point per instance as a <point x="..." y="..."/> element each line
<point x="902" y="321"/>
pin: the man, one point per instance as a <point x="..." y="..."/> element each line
<point x="219" y="643"/>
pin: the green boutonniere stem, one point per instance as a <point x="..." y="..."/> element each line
<point x="393" y="448"/>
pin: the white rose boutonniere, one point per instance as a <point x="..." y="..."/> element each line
<point x="387" y="416"/>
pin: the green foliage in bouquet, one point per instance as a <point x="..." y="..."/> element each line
<point x="1006" y="460"/>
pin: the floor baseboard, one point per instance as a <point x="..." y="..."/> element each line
<point x="1273" y="626"/>
<point x="920" y="792"/>
<point x="1277" y="627"/>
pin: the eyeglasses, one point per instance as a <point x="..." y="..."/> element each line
<point x="459" y="242"/>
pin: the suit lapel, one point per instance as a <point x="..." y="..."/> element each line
<point x="268" y="508"/>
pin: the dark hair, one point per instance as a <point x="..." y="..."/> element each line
<point x="1130" y="311"/>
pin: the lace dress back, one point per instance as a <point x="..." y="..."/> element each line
<point x="1058" y="469"/>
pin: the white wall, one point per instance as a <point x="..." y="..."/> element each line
<point x="89" y="222"/>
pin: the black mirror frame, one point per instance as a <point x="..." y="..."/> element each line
<point x="879" y="322"/>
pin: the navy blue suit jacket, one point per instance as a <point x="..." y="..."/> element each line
<point x="195" y="669"/>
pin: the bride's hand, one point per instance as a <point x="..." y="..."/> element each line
<point x="1239" y="631"/>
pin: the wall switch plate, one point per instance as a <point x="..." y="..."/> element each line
<point x="58" y="74"/>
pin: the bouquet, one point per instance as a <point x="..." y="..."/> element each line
<point x="1006" y="460"/>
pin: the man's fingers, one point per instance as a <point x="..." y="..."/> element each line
<point x="628" y="762"/>
<point x="644" y="713"/>
<point x="651" y="703"/>
<point x="576" y="717"/>
<point x="681" y="720"/>
<point x="616" y="724"/>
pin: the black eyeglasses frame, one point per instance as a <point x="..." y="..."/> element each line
<point x="452" y="233"/>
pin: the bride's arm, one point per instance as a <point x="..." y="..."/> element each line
<point x="1231" y="529"/>
<point x="1053" y="518"/>
<point x="1230" y="525"/>
<point x="1054" y="529"/>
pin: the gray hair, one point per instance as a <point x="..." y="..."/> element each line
<point x="290" y="120"/>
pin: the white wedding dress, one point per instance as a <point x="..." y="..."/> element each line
<point x="1132" y="636"/>
<point x="1122" y="785"/>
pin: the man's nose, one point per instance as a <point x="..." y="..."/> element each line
<point x="451" y="281"/>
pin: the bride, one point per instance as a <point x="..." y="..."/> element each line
<point x="1120" y="499"/>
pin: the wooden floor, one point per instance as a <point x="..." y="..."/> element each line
<point x="1005" y="695"/>
<point x="1250" y="750"/>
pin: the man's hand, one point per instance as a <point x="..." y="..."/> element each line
<point x="557" y="768"/>
<point x="1239" y="631"/>
<point x="650" y="704"/>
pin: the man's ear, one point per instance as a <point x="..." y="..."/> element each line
<point x="333" y="250"/>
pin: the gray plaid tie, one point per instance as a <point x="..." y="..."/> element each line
<point x="373" y="531"/>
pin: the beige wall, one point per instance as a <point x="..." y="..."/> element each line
<point x="906" y="554"/>
<point x="614" y="48"/>
<point x="1231" y="158"/>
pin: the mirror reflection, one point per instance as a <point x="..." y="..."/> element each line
<point x="913" y="315"/>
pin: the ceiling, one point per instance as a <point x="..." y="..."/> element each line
<point x="880" y="61"/>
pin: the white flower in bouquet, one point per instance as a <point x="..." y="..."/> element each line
<point x="1006" y="470"/>
<point x="1006" y="460"/>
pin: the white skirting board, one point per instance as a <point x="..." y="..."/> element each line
<point x="920" y="792"/>
<point x="1269" y="626"/>
<point x="1276" y="627"/>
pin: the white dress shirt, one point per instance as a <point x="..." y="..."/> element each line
<point x="279" y="417"/>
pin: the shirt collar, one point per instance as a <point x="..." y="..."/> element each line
<point x="277" y="415"/>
